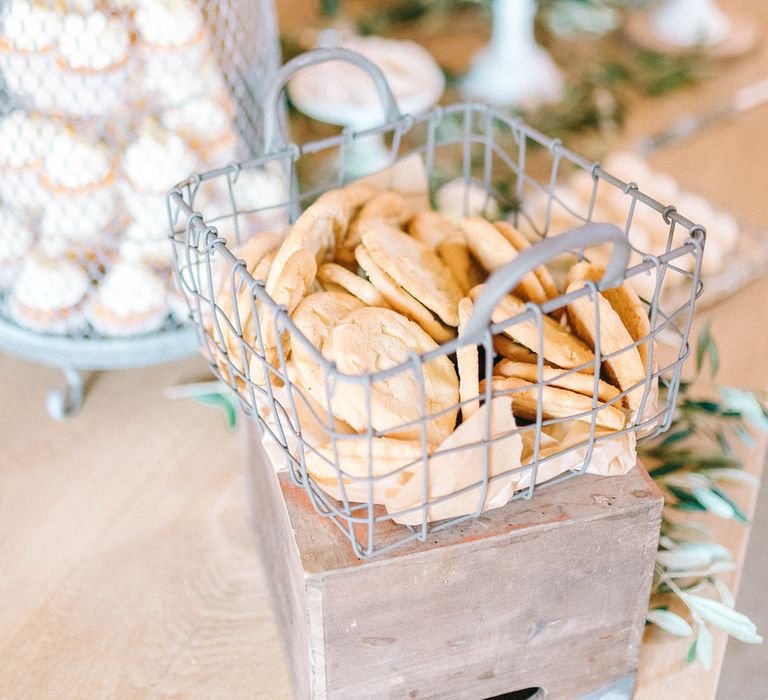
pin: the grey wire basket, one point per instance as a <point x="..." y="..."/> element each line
<point x="488" y="149"/>
<point x="79" y="82"/>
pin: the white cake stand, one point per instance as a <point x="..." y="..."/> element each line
<point x="681" y="26"/>
<point x="513" y="70"/>
<point x="342" y="94"/>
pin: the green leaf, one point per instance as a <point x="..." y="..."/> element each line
<point x="686" y="500"/>
<point x="688" y="480"/>
<point x="738" y="514"/>
<point x="747" y="404"/>
<point x="704" y="646"/>
<point x="703" y="342"/>
<point x="726" y="597"/>
<point x="738" y="625"/>
<point x="667" y="468"/>
<point x="678" y="435"/>
<point x="682" y="560"/>
<point x="669" y="622"/>
<point x="691" y="657"/>
<point x="713" y="502"/>
<point x="733" y="476"/>
<point x="745" y="436"/>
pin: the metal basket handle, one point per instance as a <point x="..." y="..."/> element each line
<point x="508" y="277"/>
<point x="275" y="135"/>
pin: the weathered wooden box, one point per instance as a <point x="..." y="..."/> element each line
<point x="549" y="593"/>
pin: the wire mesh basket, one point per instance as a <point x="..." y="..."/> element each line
<point x="101" y="105"/>
<point x="392" y="449"/>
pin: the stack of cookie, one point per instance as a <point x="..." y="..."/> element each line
<point x="374" y="395"/>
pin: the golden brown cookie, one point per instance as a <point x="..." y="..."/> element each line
<point x="555" y="403"/>
<point x="520" y="243"/>
<point x="625" y="369"/>
<point x="623" y="300"/>
<point x="469" y="371"/>
<point x="492" y="250"/>
<point x="435" y="231"/>
<point x="508" y="348"/>
<point x="347" y="202"/>
<point x="561" y="348"/>
<point x="315" y="317"/>
<point x="290" y="287"/>
<point x="331" y="273"/>
<point x="417" y="269"/>
<point x="314" y="232"/>
<point x="373" y="339"/>
<point x="388" y="207"/>
<point x="399" y="299"/>
<point x="580" y="382"/>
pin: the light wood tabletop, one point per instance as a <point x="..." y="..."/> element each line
<point x="128" y="561"/>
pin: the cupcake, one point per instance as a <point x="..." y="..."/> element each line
<point x="152" y="164"/>
<point x="88" y="245"/>
<point x="172" y="45"/>
<point x="94" y="65"/>
<point x="80" y="183"/>
<point x="129" y="301"/>
<point x="30" y="31"/>
<point x="15" y="241"/>
<point x="206" y="125"/>
<point x="49" y="295"/>
<point x="144" y="245"/>
<point x="24" y="141"/>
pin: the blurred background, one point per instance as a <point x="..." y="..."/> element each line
<point x="104" y="106"/>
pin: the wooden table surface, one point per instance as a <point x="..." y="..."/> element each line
<point x="129" y="566"/>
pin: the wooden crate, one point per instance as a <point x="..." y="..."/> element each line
<point x="549" y="593"/>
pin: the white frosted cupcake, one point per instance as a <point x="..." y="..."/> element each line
<point x="49" y="295"/>
<point x="172" y="45"/>
<point x="86" y="244"/>
<point x="207" y="126"/>
<point x="146" y="246"/>
<point x="29" y="33"/>
<point x="130" y="300"/>
<point x="23" y="144"/>
<point x="94" y="62"/>
<point x="152" y="164"/>
<point x="81" y="189"/>
<point x="15" y="240"/>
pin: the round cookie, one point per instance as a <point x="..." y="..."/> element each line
<point x="555" y="403"/>
<point x="314" y="232"/>
<point x="417" y="269"/>
<point x="623" y="300"/>
<point x="508" y="348"/>
<point x="399" y="299"/>
<point x="579" y="382"/>
<point x="492" y="250"/>
<point x="520" y="243"/>
<point x="315" y="317"/>
<point x="331" y="273"/>
<point x="373" y="339"/>
<point x="291" y="285"/>
<point x="626" y="368"/>
<point x="348" y="201"/>
<point x="468" y="365"/>
<point x="561" y="348"/>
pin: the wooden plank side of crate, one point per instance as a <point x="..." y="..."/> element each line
<point x="559" y="606"/>
<point x="550" y="592"/>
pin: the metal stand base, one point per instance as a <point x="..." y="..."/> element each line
<point x="62" y="403"/>
<point x="76" y="355"/>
